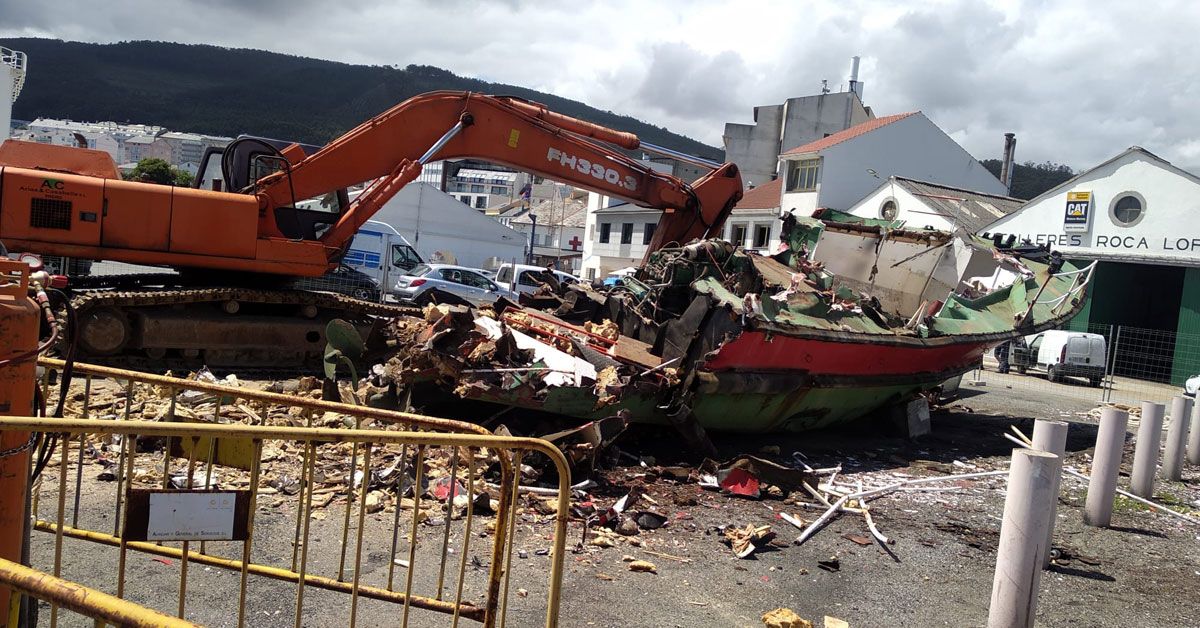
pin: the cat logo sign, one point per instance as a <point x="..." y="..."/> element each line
<point x="1079" y="206"/>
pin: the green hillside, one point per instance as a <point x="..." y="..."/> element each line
<point x="224" y="91"/>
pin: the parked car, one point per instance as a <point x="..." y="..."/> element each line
<point x="1061" y="353"/>
<point x="430" y="283"/>
<point x="343" y="280"/>
<point x="526" y="279"/>
<point x="1191" y="385"/>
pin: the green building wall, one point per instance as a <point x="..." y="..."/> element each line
<point x="1187" y="339"/>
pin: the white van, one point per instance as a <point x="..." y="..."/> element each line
<point x="526" y="277"/>
<point x="379" y="251"/>
<point x="1063" y="353"/>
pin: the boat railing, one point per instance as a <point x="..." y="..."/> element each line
<point x="1076" y="286"/>
<point x="17" y="60"/>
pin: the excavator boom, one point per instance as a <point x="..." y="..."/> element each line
<point x="506" y="131"/>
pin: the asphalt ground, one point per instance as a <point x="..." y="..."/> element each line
<point x="1142" y="571"/>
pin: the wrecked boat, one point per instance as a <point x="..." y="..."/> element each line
<point x="853" y="316"/>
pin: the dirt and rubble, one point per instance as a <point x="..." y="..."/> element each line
<point x="716" y="544"/>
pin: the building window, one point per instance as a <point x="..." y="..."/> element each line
<point x="499" y="190"/>
<point x="478" y="189"/>
<point x="627" y="233"/>
<point x="591" y="274"/>
<point x="1127" y="209"/>
<point x="803" y="175"/>
<point x="888" y="210"/>
<point x="605" y="232"/>
<point x="465" y="199"/>
<point x="737" y="234"/>
<point x="648" y="232"/>
<point x="480" y="202"/>
<point x="762" y="236"/>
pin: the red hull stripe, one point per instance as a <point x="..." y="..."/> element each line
<point x="752" y="351"/>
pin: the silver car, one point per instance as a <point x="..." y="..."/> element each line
<point x="430" y="283"/>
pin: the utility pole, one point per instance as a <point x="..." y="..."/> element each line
<point x="532" y="238"/>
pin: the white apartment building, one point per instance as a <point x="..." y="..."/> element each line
<point x="836" y="171"/>
<point x="754" y="222"/>
<point x="126" y="143"/>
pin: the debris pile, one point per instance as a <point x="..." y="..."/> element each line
<point x="517" y="356"/>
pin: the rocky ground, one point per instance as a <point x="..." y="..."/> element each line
<point x="1142" y="571"/>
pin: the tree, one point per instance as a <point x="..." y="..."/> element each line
<point x="155" y="170"/>
<point x="1030" y="179"/>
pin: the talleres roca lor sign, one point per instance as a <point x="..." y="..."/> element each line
<point x="1076" y="228"/>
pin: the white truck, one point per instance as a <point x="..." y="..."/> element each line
<point x="525" y="278"/>
<point x="380" y="252"/>
<point x="1062" y="353"/>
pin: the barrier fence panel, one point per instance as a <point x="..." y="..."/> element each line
<point x="1150" y="364"/>
<point x="71" y="596"/>
<point x="1139" y="365"/>
<point x="211" y="502"/>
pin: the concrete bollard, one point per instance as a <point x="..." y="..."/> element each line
<point x="1051" y="437"/>
<point x="1106" y="465"/>
<point x="1022" y="533"/>
<point x="1145" y="456"/>
<point x="1193" y="453"/>
<point x="1181" y="410"/>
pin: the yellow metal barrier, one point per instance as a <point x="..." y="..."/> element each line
<point x="190" y="448"/>
<point x="89" y="602"/>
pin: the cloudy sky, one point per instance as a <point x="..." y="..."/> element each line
<point x="1077" y="81"/>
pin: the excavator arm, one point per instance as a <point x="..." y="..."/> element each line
<point x="390" y="149"/>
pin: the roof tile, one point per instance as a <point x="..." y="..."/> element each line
<point x="765" y="196"/>
<point x="850" y="133"/>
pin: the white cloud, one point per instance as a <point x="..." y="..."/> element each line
<point x="1077" y="81"/>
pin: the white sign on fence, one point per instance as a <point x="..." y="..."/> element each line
<point x="201" y="516"/>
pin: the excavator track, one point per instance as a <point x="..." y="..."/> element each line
<point x="227" y="328"/>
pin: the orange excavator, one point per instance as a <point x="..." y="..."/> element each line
<point x="277" y="211"/>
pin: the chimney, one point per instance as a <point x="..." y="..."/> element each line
<point x="855" y="85"/>
<point x="1006" y="166"/>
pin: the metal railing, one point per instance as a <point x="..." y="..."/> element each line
<point x="97" y="605"/>
<point x="18" y="62"/>
<point x="1079" y="283"/>
<point x="244" y="444"/>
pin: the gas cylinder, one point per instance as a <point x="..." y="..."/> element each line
<point x="19" y="327"/>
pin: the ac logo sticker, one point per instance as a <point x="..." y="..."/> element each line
<point x="51" y="184"/>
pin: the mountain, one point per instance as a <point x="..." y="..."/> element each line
<point x="224" y="91"/>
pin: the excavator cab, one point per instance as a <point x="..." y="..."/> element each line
<point x="248" y="159"/>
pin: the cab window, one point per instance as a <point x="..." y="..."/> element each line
<point x="529" y="278"/>
<point x="403" y="256"/>
<point x="505" y="274"/>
